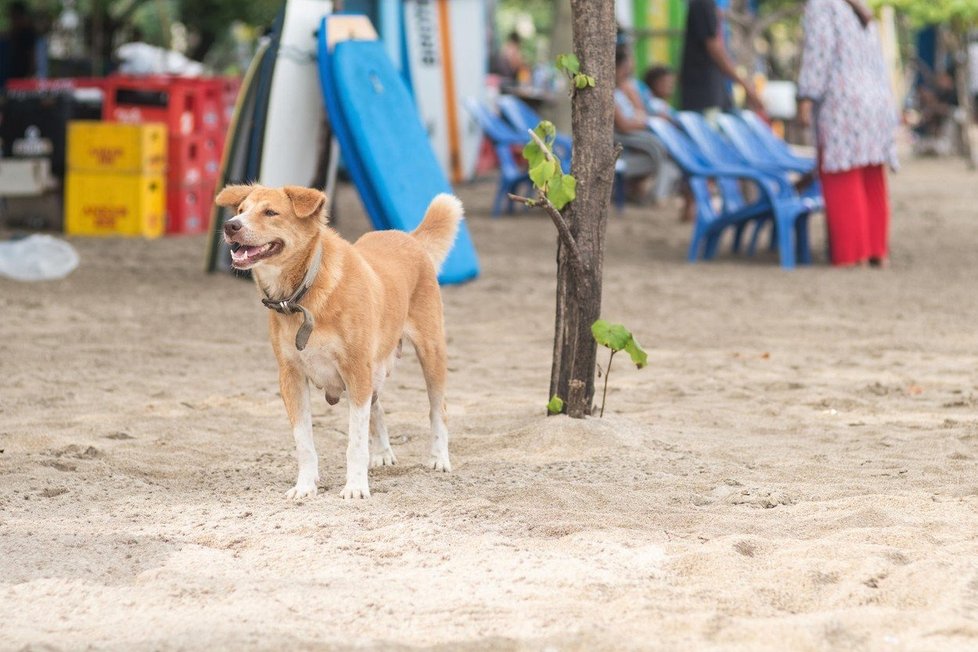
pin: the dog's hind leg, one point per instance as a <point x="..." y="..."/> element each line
<point x="434" y="364"/>
<point x="380" y="445"/>
<point x="295" y="395"/>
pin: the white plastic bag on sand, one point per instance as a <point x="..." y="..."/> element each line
<point x="37" y="258"/>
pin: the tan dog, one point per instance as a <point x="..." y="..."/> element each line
<point x="340" y="312"/>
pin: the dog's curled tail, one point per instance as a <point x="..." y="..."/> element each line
<point x="439" y="227"/>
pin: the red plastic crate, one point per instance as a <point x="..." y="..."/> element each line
<point x="187" y="106"/>
<point x="193" y="159"/>
<point x="212" y="147"/>
<point x="185" y="161"/>
<point x="187" y="209"/>
<point x="210" y="112"/>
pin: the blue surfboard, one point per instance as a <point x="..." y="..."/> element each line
<point x="384" y="143"/>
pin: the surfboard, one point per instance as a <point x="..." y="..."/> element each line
<point x="256" y="138"/>
<point x="446" y="57"/>
<point x="362" y="30"/>
<point x="381" y="136"/>
<point x="385" y="16"/>
<point x="233" y="160"/>
<point x="424" y="69"/>
<point x="468" y="28"/>
<point x="294" y="121"/>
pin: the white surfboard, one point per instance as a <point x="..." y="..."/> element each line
<point x="446" y="62"/>
<point x="470" y="61"/>
<point x="293" y="128"/>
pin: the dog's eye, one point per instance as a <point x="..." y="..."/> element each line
<point x="270" y="213"/>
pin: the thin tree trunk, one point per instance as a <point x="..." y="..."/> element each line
<point x="957" y="45"/>
<point x="579" y="294"/>
<point x="966" y="102"/>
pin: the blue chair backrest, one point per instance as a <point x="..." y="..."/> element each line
<point x="763" y="132"/>
<point x="772" y="143"/>
<point x="523" y="118"/>
<point x="746" y="141"/>
<point x="517" y="112"/>
<point x="710" y="142"/>
<point x="686" y="155"/>
<point x="498" y="130"/>
<point x="502" y="135"/>
<point x="718" y="152"/>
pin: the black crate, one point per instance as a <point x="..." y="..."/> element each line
<point x="35" y="123"/>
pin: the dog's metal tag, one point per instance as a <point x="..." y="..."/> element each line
<point x="291" y="305"/>
<point x="305" y="330"/>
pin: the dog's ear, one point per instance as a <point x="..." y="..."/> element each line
<point x="233" y="195"/>
<point x="306" y="202"/>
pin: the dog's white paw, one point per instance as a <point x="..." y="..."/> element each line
<point x="384" y="458"/>
<point x="440" y="462"/>
<point x="355" y="491"/>
<point x="302" y="489"/>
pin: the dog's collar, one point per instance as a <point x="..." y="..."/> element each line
<point x="291" y="305"/>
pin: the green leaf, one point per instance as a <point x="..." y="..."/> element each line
<point x="556" y="405"/>
<point x="542" y="173"/>
<point x="613" y="336"/>
<point x="546" y="131"/>
<point x="562" y="190"/>
<point x="637" y="353"/>
<point x="580" y="81"/>
<point x="590" y="81"/>
<point x="533" y="154"/>
<point x="568" y="63"/>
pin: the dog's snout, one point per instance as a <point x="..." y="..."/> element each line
<point x="232" y="226"/>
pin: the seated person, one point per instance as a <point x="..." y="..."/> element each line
<point x="936" y="104"/>
<point x="642" y="153"/>
<point x="509" y="64"/>
<point x="660" y="81"/>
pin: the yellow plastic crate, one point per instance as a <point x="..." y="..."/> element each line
<point x="115" y="204"/>
<point x="116" y="147"/>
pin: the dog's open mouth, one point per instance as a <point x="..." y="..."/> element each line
<point x="243" y="256"/>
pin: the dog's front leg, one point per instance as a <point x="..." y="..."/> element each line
<point x="295" y="393"/>
<point x="359" y="391"/>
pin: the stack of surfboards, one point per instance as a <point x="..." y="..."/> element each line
<point x="398" y="156"/>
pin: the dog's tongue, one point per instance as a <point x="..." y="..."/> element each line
<point x="245" y="251"/>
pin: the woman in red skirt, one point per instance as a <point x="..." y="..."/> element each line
<point x="845" y="87"/>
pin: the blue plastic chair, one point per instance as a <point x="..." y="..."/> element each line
<point x="503" y="137"/>
<point x="777" y="200"/>
<point x="751" y="148"/>
<point x="719" y="151"/>
<point x="788" y="159"/>
<point x="523" y="118"/>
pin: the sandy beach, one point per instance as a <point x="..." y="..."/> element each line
<point x="795" y="469"/>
